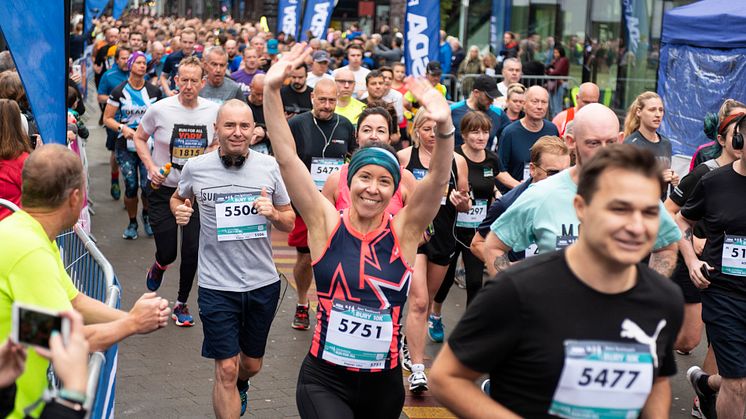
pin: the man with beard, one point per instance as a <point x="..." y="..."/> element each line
<point x="323" y="139"/>
<point x="296" y="97"/>
<point x="481" y="98"/>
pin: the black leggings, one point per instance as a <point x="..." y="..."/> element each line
<point x="331" y="392"/>
<point x="166" y="233"/>
<point x="474" y="273"/>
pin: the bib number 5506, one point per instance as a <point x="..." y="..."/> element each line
<point x="352" y="327"/>
<point x="238" y="210"/>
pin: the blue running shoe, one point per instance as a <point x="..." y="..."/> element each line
<point x="244" y="394"/>
<point x="146" y="225"/>
<point x="130" y="233"/>
<point x="155" y="277"/>
<point x="435" y="328"/>
<point x="180" y="315"/>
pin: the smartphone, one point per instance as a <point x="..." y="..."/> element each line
<point x="705" y="272"/>
<point x="33" y="326"/>
<point x="76" y="70"/>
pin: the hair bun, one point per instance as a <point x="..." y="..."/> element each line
<point x="711" y="124"/>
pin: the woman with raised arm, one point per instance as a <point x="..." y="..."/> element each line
<point x="363" y="261"/>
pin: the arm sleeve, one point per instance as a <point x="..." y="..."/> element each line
<point x="668" y="232"/>
<point x="238" y="94"/>
<point x="168" y="66"/>
<point x="115" y="97"/>
<point x="475" y="341"/>
<point x="695" y="207"/>
<point x="147" y="123"/>
<point x="493" y="212"/>
<point x="504" y="149"/>
<point x="280" y="195"/>
<point x="684" y="190"/>
<point x="186" y="182"/>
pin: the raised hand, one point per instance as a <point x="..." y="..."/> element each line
<point x="264" y="206"/>
<point x="431" y="100"/>
<point x="282" y="68"/>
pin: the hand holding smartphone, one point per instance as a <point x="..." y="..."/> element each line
<point x="33" y="326"/>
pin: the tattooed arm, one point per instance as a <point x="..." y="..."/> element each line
<point x="690" y="257"/>
<point x="663" y="260"/>
<point x="495" y="255"/>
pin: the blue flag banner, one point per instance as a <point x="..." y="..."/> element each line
<point x="39" y="56"/>
<point x="288" y="15"/>
<point x="316" y="18"/>
<point x="637" y="28"/>
<point x="93" y="9"/>
<point x="119" y="6"/>
<point x="421" y="35"/>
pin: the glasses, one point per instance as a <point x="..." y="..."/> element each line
<point x="550" y="172"/>
<point x="345" y="81"/>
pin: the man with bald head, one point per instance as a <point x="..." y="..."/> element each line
<point x="514" y="149"/>
<point x="323" y="139"/>
<point x="544" y="214"/>
<point x="234" y="58"/>
<point x="241" y="197"/>
<point x="260" y="141"/>
<point x="347" y="105"/>
<point x="587" y="93"/>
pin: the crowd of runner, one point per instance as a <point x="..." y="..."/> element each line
<point x="226" y="132"/>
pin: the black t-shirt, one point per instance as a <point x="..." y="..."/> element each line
<point x="296" y="102"/>
<point x="481" y="186"/>
<point x="258" y="112"/>
<point x="333" y="138"/>
<point x="517" y="327"/>
<point x="662" y="149"/>
<point x="683" y="191"/>
<point x="718" y="203"/>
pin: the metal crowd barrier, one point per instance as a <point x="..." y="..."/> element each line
<point x="94" y="276"/>
<point x="527" y="81"/>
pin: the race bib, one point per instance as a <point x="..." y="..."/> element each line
<point x="237" y="219"/>
<point x="322" y="168"/>
<point x="131" y="145"/>
<point x="358" y="336"/>
<point x="603" y="380"/>
<point x="564" y="241"/>
<point x="532" y="250"/>
<point x="474" y="216"/>
<point x="526" y="171"/>
<point x="187" y="141"/>
<point x="734" y="255"/>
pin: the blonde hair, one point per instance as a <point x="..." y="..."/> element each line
<point x="419" y="120"/>
<point x="548" y="144"/>
<point x="632" y="121"/>
<point x="727" y="108"/>
<point x="515" y="88"/>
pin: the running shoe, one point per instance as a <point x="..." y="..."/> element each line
<point x="696" y="411"/>
<point x="244" y="394"/>
<point x="418" y="382"/>
<point x="146" y="226"/>
<point x="181" y="316"/>
<point x="115" y="191"/>
<point x="300" y="320"/>
<point x="486" y="386"/>
<point x="155" y="277"/>
<point x="706" y="401"/>
<point x="435" y="328"/>
<point x="130" y="233"/>
<point x="406" y="359"/>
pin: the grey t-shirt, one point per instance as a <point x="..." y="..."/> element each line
<point x="179" y="133"/>
<point x="224" y="264"/>
<point x="226" y="91"/>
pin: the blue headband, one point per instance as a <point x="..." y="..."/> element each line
<point x="379" y="157"/>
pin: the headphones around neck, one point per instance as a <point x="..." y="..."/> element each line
<point x="232" y="161"/>
<point x="737" y="141"/>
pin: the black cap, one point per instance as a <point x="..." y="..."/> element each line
<point x="488" y="85"/>
<point x="433" y="67"/>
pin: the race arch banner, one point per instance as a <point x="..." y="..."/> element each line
<point x="421" y="35"/>
<point x="316" y="18"/>
<point x="39" y="56"/>
<point x="288" y="15"/>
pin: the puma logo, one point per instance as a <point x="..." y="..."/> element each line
<point x="631" y="330"/>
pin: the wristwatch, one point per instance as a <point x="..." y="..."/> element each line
<point x="119" y="129"/>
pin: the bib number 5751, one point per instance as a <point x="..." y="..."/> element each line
<point x="237" y="210"/>
<point x="352" y="327"/>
